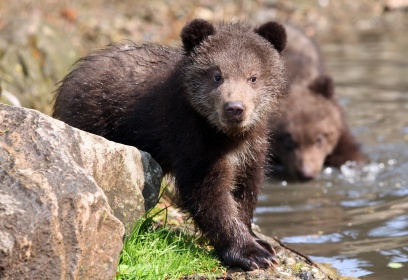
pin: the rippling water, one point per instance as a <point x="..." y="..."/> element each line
<point x="356" y="218"/>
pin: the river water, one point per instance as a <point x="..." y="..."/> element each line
<point x="356" y="218"/>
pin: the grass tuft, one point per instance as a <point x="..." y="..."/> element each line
<point x="153" y="251"/>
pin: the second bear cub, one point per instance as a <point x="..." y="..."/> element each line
<point x="310" y="130"/>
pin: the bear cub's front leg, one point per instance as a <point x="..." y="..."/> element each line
<point x="224" y="219"/>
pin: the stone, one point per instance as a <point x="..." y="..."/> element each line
<point x="56" y="184"/>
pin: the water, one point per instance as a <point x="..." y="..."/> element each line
<point x="355" y="219"/>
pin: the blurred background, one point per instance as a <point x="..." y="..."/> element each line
<point x="356" y="220"/>
<point x="40" y="39"/>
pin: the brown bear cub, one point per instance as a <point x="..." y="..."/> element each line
<point x="202" y="113"/>
<point x="310" y="129"/>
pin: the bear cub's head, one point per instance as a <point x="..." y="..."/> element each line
<point x="233" y="74"/>
<point x="309" y="128"/>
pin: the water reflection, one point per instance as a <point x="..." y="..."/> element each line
<point x="356" y="218"/>
<point x="397" y="226"/>
<point x="347" y="265"/>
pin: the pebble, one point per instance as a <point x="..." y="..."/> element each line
<point x="289" y="261"/>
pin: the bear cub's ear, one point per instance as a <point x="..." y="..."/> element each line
<point x="323" y="85"/>
<point x="275" y="33"/>
<point x="194" y="32"/>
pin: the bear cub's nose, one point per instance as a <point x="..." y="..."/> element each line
<point x="234" y="109"/>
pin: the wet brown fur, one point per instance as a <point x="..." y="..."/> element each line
<point x="198" y="112"/>
<point x="310" y="130"/>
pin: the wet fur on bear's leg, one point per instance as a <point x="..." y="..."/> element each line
<point x="216" y="212"/>
<point x="221" y="198"/>
<point x="347" y="149"/>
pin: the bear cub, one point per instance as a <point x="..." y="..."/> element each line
<point x="201" y="111"/>
<point x="310" y="130"/>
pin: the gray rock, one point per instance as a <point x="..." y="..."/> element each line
<point x="55" y="220"/>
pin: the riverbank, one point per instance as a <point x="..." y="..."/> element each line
<point x="185" y="254"/>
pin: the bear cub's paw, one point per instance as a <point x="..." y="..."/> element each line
<point x="254" y="254"/>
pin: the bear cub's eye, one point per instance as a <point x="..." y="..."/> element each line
<point x="319" y="140"/>
<point x="217" y="78"/>
<point x="288" y="143"/>
<point x="253" y="79"/>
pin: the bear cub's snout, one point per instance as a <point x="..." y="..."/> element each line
<point x="234" y="111"/>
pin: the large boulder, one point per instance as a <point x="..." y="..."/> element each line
<point x="55" y="219"/>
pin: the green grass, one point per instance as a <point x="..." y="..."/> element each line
<point x="157" y="252"/>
